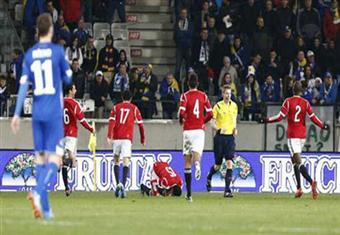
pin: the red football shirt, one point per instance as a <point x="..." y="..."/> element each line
<point x="121" y="122"/>
<point x="167" y="176"/>
<point x="296" y="108"/>
<point x="193" y="103"/>
<point x="73" y="113"/>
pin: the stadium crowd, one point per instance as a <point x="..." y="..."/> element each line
<point x="258" y="47"/>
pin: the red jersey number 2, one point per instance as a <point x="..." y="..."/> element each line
<point x="298" y="111"/>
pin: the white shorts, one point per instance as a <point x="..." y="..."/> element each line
<point x="193" y="141"/>
<point x="71" y="144"/>
<point x="122" y="148"/>
<point x="295" y="145"/>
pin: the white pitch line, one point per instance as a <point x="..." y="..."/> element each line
<point x="54" y="222"/>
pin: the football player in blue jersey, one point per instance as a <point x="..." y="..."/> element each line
<point x="44" y="68"/>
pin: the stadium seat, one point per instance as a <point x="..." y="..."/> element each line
<point x="120" y="34"/>
<point x="119" y="26"/>
<point x="99" y="44"/>
<point x="88" y="27"/>
<point x="100" y="30"/>
<point x="19" y="12"/>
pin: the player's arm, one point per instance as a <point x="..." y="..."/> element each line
<point x="65" y="68"/>
<point x="281" y="115"/>
<point x="314" y="118"/>
<point x="81" y="117"/>
<point x="208" y="110"/>
<point x="112" y="123"/>
<point x="213" y="120"/>
<point x="139" y="121"/>
<point x="182" y="108"/>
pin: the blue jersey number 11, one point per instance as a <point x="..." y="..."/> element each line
<point x="43" y="77"/>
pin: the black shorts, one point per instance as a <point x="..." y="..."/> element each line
<point x="224" y="147"/>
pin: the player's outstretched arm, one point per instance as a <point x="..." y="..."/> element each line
<point x="276" y="118"/>
<point x="86" y="125"/>
<point x="315" y="119"/>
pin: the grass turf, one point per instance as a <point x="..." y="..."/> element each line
<point x="101" y="213"/>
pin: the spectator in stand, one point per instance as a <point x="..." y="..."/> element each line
<point x="227" y="80"/>
<point x="251" y="98"/>
<point x="228" y="19"/>
<point x="231" y="70"/>
<point x="240" y="54"/>
<point x="119" y="84"/>
<point x="249" y="13"/>
<point x="269" y="16"/>
<point x="257" y="68"/>
<point x="4" y="95"/>
<point x="71" y="11"/>
<point x="118" y="5"/>
<point x="98" y="92"/>
<point x="86" y="10"/>
<point x="16" y="67"/>
<point x="288" y="83"/>
<point x="108" y="56"/>
<point x="284" y="17"/>
<point x="74" y="52"/>
<point x="201" y="18"/>
<point x="331" y="22"/>
<point x="170" y="94"/>
<point x="183" y="36"/>
<point x="312" y="64"/>
<point x="102" y="11"/>
<point x="308" y="23"/>
<point x="134" y="79"/>
<point x="262" y="41"/>
<point x="328" y="90"/>
<point x="300" y="45"/>
<point x="201" y="53"/>
<point x="52" y="11"/>
<point x="320" y="55"/>
<point x="61" y="30"/>
<point x="270" y="90"/>
<point x="81" y="33"/>
<point x="308" y="76"/>
<point x="147" y="88"/>
<point x="316" y="91"/>
<point x="90" y="56"/>
<point x="286" y="49"/>
<point x="78" y="78"/>
<point x="212" y="31"/>
<point x="220" y="49"/>
<point x="299" y="66"/>
<point x="123" y="60"/>
<point x="307" y="91"/>
<point x="331" y="58"/>
<point x="32" y="9"/>
<point x="274" y="67"/>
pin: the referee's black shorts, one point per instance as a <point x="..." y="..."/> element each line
<point x="224" y="147"/>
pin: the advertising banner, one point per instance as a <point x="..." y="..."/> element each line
<point x="253" y="171"/>
<point x="317" y="140"/>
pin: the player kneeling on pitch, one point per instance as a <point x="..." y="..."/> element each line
<point x="72" y="113"/>
<point x="295" y="109"/>
<point x="120" y="133"/>
<point x="164" y="181"/>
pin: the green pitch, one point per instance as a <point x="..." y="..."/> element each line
<point x="101" y="213"/>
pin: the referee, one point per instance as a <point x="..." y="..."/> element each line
<point x="224" y="122"/>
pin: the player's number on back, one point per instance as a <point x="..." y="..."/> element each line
<point x="66" y="117"/>
<point x="43" y="77"/>
<point x="124" y="113"/>
<point x="197" y="109"/>
<point x="298" y="110"/>
<point x="170" y="171"/>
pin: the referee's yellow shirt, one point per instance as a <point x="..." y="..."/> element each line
<point x="225" y="116"/>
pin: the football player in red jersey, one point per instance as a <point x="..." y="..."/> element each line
<point x="295" y="109"/>
<point x="72" y="113"/>
<point x="120" y="133"/>
<point x="164" y="181"/>
<point x="193" y="105"/>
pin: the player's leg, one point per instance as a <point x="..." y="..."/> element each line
<point x="126" y="153"/>
<point x="187" y="149"/>
<point x="229" y="151"/>
<point x="218" y="161"/>
<point x="296" y="165"/>
<point x="116" y="161"/>
<point x="197" y="140"/>
<point x="66" y="164"/>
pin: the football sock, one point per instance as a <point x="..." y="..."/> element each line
<point x="211" y="172"/>
<point x="39" y="168"/>
<point x="51" y="170"/>
<point x="116" y="171"/>
<point x="125" y="174"/>
<point x="187" y="174"/>
<point x="297" y="176"/>
<point x="228" y="178"/>
<point x="305" y="174"/>
<point x="64" y="173"/>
